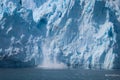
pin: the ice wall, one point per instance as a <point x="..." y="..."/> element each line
<point x="52" y="33"/>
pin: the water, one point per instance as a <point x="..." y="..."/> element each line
<point x="58" y="74"/>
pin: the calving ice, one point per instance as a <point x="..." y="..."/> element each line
<point x="60" y="33"/>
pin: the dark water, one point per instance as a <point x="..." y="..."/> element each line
<point x="62" y="74"/>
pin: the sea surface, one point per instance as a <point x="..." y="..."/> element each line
<point x="58" y="74"/>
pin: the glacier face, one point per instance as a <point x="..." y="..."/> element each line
<point x="60" y="33"/>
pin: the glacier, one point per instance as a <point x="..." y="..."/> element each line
<point x="60" y="33"/>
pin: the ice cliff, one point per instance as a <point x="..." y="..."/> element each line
<point x="49" y="33"/>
